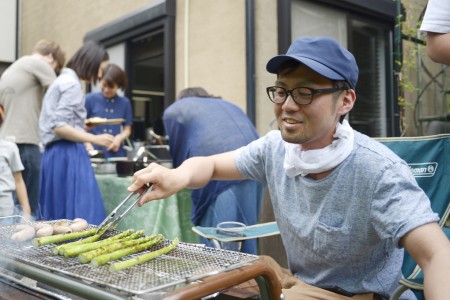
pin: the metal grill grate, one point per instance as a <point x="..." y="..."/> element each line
<point x="185" y="264"/>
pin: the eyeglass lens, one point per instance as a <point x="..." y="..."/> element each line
<point x="301" y="95"/>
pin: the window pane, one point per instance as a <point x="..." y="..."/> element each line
<point x="369" y="112"/>
<point x="313" y="19"/>
<point x="147" y="83"/>
<point x="366" y="40"/>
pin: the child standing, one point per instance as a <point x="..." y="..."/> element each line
<point x="11" y="180"/>
<point x="109" y="104"/>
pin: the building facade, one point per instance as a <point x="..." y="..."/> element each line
<point x="223" y="46"/>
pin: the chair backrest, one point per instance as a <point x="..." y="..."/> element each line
<point x="429" y="160"/>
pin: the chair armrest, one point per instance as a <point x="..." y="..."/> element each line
<point x="222" y="281"/>
<point x="251" y="232"/>
<point x="415" y="284"/>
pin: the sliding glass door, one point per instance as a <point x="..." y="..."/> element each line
<point x="370" y="42"/>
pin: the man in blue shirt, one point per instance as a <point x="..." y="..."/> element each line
<point x="199" y="124"/>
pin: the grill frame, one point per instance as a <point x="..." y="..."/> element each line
<point x="187" y="264"/>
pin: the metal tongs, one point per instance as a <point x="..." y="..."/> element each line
<point x="111" y="220"/>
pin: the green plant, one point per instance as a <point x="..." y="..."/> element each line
<point x="408" y="45"/>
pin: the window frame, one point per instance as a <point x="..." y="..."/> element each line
<point x="144" y="21"/>
<point x="381" y="12"/>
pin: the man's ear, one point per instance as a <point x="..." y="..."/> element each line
<point x="49" y="57"/>
<point x="2" y="113"/>
<point x="347" y="102"/>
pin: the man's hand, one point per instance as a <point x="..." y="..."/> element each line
<point x="166" y="182"/>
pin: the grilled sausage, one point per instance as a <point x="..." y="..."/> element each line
<point x="25" y="234"/>
<point x="20" y="227"/>
<point x="43" y="230"/>
<point x="78" y="224"/>
<point x="61" y="227"/>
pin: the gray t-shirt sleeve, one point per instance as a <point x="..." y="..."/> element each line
<point x="9" y="163"/>
<point x="43" y="72"/>
<point x="399" y="204"/>
<point x="253" y="162"/>
<point x="15" y="163"/>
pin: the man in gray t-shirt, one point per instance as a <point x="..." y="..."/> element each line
<point x="345" y="204"/>
<point x="22" y="88"/>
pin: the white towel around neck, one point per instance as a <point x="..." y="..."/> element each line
<point x="300" y="162"/>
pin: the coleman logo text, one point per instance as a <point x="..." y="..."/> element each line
<point x="423" y="169"/>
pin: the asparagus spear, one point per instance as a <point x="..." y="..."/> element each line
<point x="119" y="266"/>
<point x="59" y="249"/>
<point x="77" y="249"/>
<point x="103" y="259"/>
<point x="62" y="248"/>
<point x="88" y="256"/>
<point x="57" y="238"/>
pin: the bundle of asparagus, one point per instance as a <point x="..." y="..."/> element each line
<point x="67" y="236"/>
<point x="75" y="250"/>
<point x="99" y="252"/>
<point x="62" y="237"/>
<point x="119" y="266"/>
<point x="107" y="257"/>
<point x="60" y="248"/>
<point x="88" y="256"/>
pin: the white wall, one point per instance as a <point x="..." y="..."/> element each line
<point x="8" y="30"/>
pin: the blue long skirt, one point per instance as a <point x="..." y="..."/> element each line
<point x="68" y="188"/>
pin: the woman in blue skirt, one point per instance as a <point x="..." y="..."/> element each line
<point x="68" y="187"/>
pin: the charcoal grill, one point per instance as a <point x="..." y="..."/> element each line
<point x="209" y="269"/>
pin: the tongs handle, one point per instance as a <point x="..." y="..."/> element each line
<point x="110" y="220"/>
<point x="134" y="203"/>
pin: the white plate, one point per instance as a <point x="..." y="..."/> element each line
<point x="113" y="159"/>
<point x="104" y="121"/>
<point x="97" y="160"/>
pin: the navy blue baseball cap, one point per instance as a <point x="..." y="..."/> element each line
<point x="323" y="55"/>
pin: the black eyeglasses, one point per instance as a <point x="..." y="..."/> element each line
<point x="301" y="95"/>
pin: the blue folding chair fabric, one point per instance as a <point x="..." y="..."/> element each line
<point x="429" y="160"/>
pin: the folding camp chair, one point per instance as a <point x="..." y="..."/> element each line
<point x="429" y="160"/>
